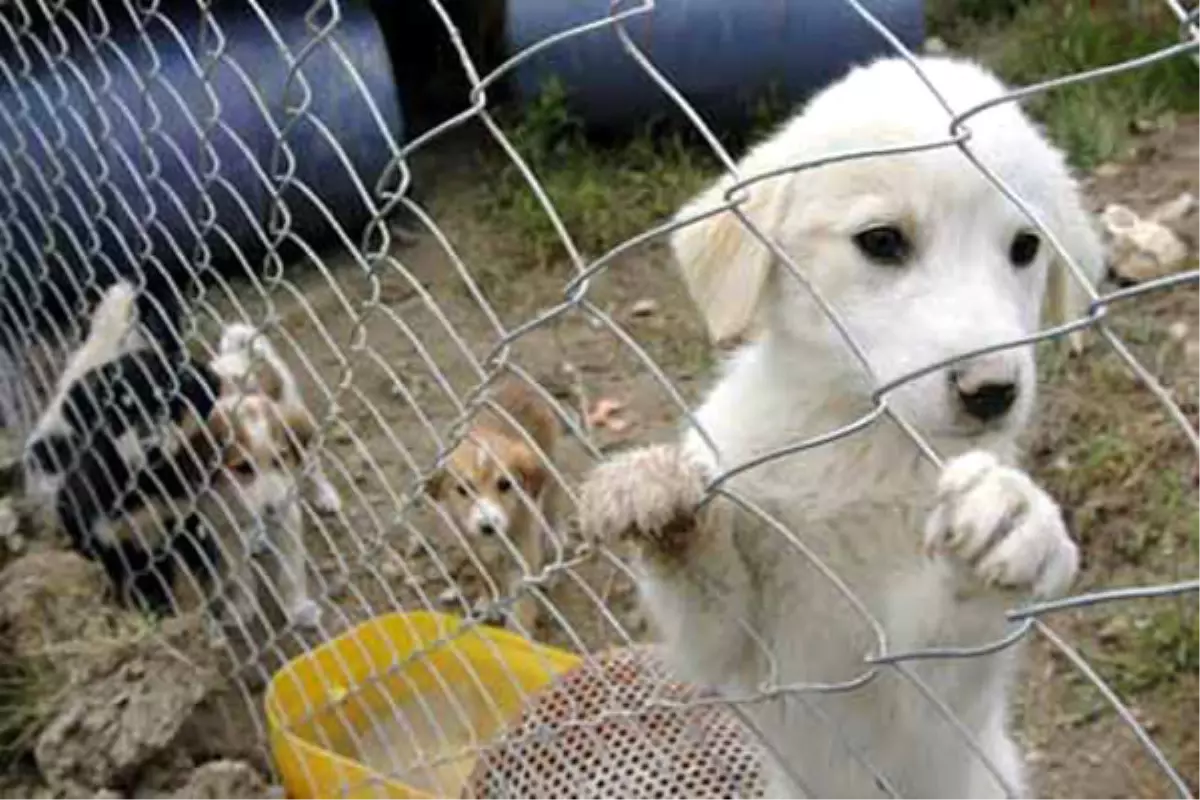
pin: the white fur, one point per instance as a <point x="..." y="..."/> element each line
<point x="486" y="514"/>
<point x="260" y="525"/>
<point x="239" y="348"/>
<point x="112" y="333"/>
<point x="262" y="511"/>
<point x="936" y="560"/>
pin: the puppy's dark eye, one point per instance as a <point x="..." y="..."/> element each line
<point x="1024" y="249"/>
<point x="462" y="490"/>
<point x="243" y="468"/>
<point x="503" y="485"/>
<point x="884" y="245"/>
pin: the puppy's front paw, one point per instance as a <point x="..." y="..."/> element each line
<point x="325" y="497"/>
<point x="647" y="496"/>
<point x="994" y="522"/>
<point x="305" y="614"/>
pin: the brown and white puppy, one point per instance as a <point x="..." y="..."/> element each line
<point x="247" y="359"/>
<point x="251" y="507"/>
<point x="497" y="476"/>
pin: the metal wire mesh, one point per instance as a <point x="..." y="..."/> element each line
<point x="395" y="372"/>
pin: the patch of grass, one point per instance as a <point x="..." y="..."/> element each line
<point x="1105" y="439"/>
<point x="954" y="19"/>
<point x="26" y="691"/>
<point x="1125" y="473"/>
<point x="1137" y="653"/>
<point x="603" y="193"/>
<point x="1029" y="42"/>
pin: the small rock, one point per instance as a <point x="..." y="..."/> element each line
<point x="9" y="525"/>
<point x="604" y="411"/>
<point x="1178" y="331"/>
<point x="390" y="566"/>
<point x="1192" y="349"/>
<point x="1174" y="210"/>
<point x="402" y="235"/>
<point x="224" y="778"/>
<point x="53" y="597"/>
<point x="1113" y="630"/>
<point x="1144" y="125"/>
<point x="109" y="726"/>
<point x="1141" y="249"/>
<point x="1110" y="169"/>
<point x="934" y="46"/>
<point x="644" y="308"/>
<point x="448" y="596"/>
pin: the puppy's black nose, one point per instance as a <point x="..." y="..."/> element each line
<point x="487" y="529"/>
<point x="987" y="401"/>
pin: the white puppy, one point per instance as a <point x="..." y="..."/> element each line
<point x="240" y="347"/>
<point x="925" y="261"/>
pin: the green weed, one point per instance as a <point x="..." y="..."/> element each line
<point x="602" y="194"/>
<point x="1030" y="42"/>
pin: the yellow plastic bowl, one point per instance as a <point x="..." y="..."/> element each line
<point x="408" y="694"/>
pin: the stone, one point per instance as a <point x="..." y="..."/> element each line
<point x="1174" y="210"/>
<point x="1141" y="249"/>
<point x="224" y="779"/>
<point x="129" y="711"/>
<point x="645" y="307"/>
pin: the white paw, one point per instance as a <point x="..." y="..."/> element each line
<point x="326" y="499"/>
<point x="304" y="614"/>
<point x="648" y="496"/>
<point x="997" y="524"/>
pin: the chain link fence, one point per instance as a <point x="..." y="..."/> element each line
<point x="121" y="163"/>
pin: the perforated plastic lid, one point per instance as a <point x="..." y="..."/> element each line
<point x="620" y="727"/>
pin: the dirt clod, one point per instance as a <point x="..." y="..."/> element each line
<point x="224" y="778"/>
<point x="114" y="721"/>
<point x="53" y="597"/>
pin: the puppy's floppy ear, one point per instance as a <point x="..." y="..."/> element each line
<point x="299" y="429"/>
<point x="532" y="473"/>
<point x="269" y="381"/>
<point x="435" y="484"/>
<point x="724" y="265"/>
<point x="205" y="443"/>
<point x="1076" y="230"/>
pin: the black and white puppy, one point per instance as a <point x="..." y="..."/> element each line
<point x="108" y="462"/>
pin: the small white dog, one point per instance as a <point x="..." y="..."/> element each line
<point x="237" y="353"/>
<point x="925" y="261"/>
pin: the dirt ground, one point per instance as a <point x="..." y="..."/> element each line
<point x="404" y="338"/>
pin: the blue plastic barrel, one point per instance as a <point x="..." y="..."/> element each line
<point x="724" y="55"/>
<point x="111" y="139"/>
